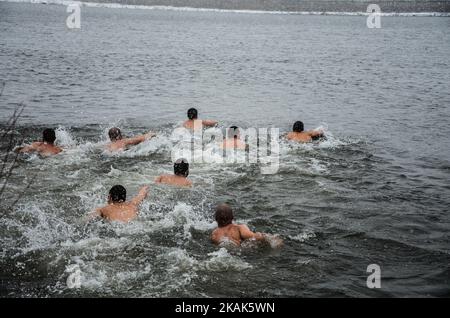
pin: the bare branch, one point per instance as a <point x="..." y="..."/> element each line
<point x="9" y="163"/>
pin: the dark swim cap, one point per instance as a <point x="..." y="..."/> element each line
<point x="118" y="193"/>
<point x="115" y="134"/>
<point x="49" y="135"/>
<point x="233" y="132"/>
<point x="224" y="215"/>
<point x="192" y="113"/>
<point x="298" y="126"/>
<point x="181" y="167"/>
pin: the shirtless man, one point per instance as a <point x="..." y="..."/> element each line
<point x="46" y="147"/>
<point x="120" y="143"/>
<point x="236" y="233"/>
<point x="233" y="140"/>
<point x="193" y="120"/>
<point x="118" y="209"/>
<point x="179" y="178"/>
<point x="298" y="134"/>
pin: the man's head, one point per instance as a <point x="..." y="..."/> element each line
<point x="115" y="134"/>
<point x="49" y="136"/>
<point x="117" y="194"/>
<point x="192" y="113"/>
<point x="181" y="168"/>
<point x="224" y="215"/>
<point x="233" y="132"/>
<point x="298" y="126"/>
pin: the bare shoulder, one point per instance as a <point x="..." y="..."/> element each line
<point x="114" y="146"/>
<point x="215" y="235"/>
<point x="290" y="135"/>
<point x="103" y="211"/>
<point x="244" y="231"/>
<point x="241" y="226"/>
<point x="57" y="149"/>
<point x="188" y="124"/>
<point x="37" y="145"/>
<point x="163" y="178"/>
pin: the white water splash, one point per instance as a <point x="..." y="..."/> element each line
<point x="304" y="236"/>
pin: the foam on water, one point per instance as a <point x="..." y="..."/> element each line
<point x="64" y="138"/>
<point x="172" y="8"/>
<point x="222" y="260"/>
<point x="40" y="225"/>
<point x="88" y="254"/>
<point x="303" y="236"/>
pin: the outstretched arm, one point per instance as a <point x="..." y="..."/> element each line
<point x="273" y="240"/>
<point x="209" y="123"/>
<point x="25" y="149"/>
<point x="141" y="196"/>
<point x="247" y="234"/>
<point x="316" y="133"/>
<point x="138" y="139"/>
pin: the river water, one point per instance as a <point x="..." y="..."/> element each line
<point x="377" y="191"/>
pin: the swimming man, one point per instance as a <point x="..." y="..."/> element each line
<point x="236" y="233"/>
<point x="233" y="141"/>
<point x="46" y="147"/>
<point x="120" y="143"/>
<point x="192" y="115"/>
<point x="118" y="209"/>
<point x="179" y="178"/>
<point x="298" y="134"/>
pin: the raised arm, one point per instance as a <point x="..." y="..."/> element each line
<point x="143" y="192"/>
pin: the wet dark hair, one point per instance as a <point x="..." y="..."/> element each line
<point x="224" y="215"/>
<point x="192" y="113"/>
<point x="118" y="193"/>
<point x="181" y="167"/>
<point x="233" y="132"/>
<point x="49" y="135"/>
<point x="298" y="126"/>
<point x="115" y="134"/>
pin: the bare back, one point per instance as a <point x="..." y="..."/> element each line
<point x="198" y="123"/>
<point x="42" y="148"/>
<point x="123" y="212"/>
<point x="174" y="180"/>
<point x="299" y="137"/>
<point x="117" y="145"/>
<point x="304" y="136"/>
<point x="233" y="144"/>
<point x="235" y="233"/>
